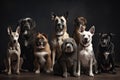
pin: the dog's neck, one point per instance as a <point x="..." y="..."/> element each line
<point x="85" y="47"/>
<point x="13" y="45"/>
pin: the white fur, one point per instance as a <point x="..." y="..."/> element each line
<point x="85" y="54"/>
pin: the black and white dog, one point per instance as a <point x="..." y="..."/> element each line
<point x="105" y="55"/>
<point x="27" y="26"/>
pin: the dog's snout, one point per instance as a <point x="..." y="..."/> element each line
<point x="86" y="39"/>
<point x="14" y="41"/>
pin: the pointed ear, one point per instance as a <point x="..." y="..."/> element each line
<point x="66" y="15"/>
<point x="111" y="34"/>
<point x="53" y="15"/>
<point x="82" y="28"/>
<point x="92" y="29"/>
<point x="45" y="35"/>
<point x="18" y="29"/>
<point x="9" y="30"/>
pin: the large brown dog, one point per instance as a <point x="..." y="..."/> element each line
<point x="42" y="53"/>
<point x="60" y="22"/>
<point x="78" y="22"/>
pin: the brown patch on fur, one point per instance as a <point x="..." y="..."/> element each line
<point x="78" y="22"/>
<point x="46" y="48"/>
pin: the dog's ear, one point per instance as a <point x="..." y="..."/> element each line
<point x="92" y="29"/>
<point x="9" y="30"/>
<point x="111" y="34"/>
<point x="53" y="15"/>
<point x="82" y="20"/>
<point x="82" y="28"/>
<point x="18" y="29"/>
<point x="66" y="15"/>
<point x="45" y="35"/>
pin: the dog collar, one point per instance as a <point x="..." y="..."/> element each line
<point x="84" y="45"/>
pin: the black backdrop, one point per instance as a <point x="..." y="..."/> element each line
<point x="103" y="14"/>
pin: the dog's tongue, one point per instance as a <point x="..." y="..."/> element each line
<point x="40" y="47"/>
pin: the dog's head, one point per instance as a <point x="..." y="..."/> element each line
<point x="14" y="36"/>
<point x="86" y="36"/>
<point x="60" y="23"/>
<point x="80" y="21"/>
<point x="26" y="24"/>
<point x="41" y="41"/>
<point x="105" y="39"/>
<point x="69" y="45"/>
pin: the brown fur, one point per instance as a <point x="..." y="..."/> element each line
<point x="78" y="22"/>
<point x="47" y="56"/>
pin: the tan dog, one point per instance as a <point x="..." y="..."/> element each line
<point x="78" y="22"/>
<point x="13" y="62"/>
<point x="61" y="34"/>
<point x="42" y="53"/>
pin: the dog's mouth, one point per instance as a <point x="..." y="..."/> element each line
<point x="59" y="30"/>
<point x="40" y="47"/>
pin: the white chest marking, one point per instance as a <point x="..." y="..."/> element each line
<point x="106" y="55"/>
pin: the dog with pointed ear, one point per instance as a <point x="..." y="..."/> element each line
<point x="13" y="61"/>
<point x="59" y="35"/>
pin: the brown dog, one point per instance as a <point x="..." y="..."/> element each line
<point x="42" y="53"/>
<point x="60" y="22"/>
<point x="78" y="22"/>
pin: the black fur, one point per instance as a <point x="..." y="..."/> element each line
<point x="105" y="45"/>
<point x="27" y="50"/>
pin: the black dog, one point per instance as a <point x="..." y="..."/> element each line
<point x="105" y="56"/>
<point x="27" y="34"/>
<point x="67" y="62"/>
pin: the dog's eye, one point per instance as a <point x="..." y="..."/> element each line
<point x="83" y="35"/>
<point x="62" y="20"/>
<point x="88" y="35"/>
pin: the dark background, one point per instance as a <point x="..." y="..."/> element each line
<point x="103" y="14"/>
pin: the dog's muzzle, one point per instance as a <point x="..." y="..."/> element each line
<point x="69" y="48"/>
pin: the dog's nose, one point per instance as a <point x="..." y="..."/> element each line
<point x="14" y="41"/>
<point x="86" y="39"/>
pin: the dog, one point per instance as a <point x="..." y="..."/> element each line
<point x="68" y="60"/>
<point x="86" y="57"/>
<point x="105" y="54"/>
<point x="13" y="61"/>
<point x="27" y="37"/>
<point x="60" y="22"/>
<point x="78" y="22"/>
<point x="42" y="53"/>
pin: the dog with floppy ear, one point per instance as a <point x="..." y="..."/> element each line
<point x="105" y="53"/>
<point x="60" y="22"/>
<point x="42" y="53"/>
<point x="78" y="22"/>
<point x="67" y="63"/>
<point x="13" y="62"/>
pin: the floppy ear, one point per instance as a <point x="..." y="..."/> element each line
<point x="92" y="29"/>
<point x="82" y="28"/>
<point x="9" y="30"/>
<point x="18" y="29"/>
<point x="53" y="15"/>
<point x="82" y="20"/>
<point x="45" y="35"/>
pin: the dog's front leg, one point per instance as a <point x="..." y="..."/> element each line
<point x="53" y="58"/>
<point x="18" y="65"/>
<point x="64" y="70"/>
<point x="48" y="64"/>
<point x="74" y="69"/>
<point x="9" y="66"/>
<point x="37" y="66"/>
<point x="79" y="67"/>
<point x="91" y="68"/>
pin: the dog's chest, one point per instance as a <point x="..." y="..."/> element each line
<point x="85" y="56"/>
<point x="41" y="56"/>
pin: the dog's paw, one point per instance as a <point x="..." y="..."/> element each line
<point x="65" y="75"/>
<point x="48" y="71"/>
<point x="37" y="72"/>
<point x="18" y="72"/>
<point x="76" y="74"/>
<point x="91" y="74"/>
<point x="9" y="73"/>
